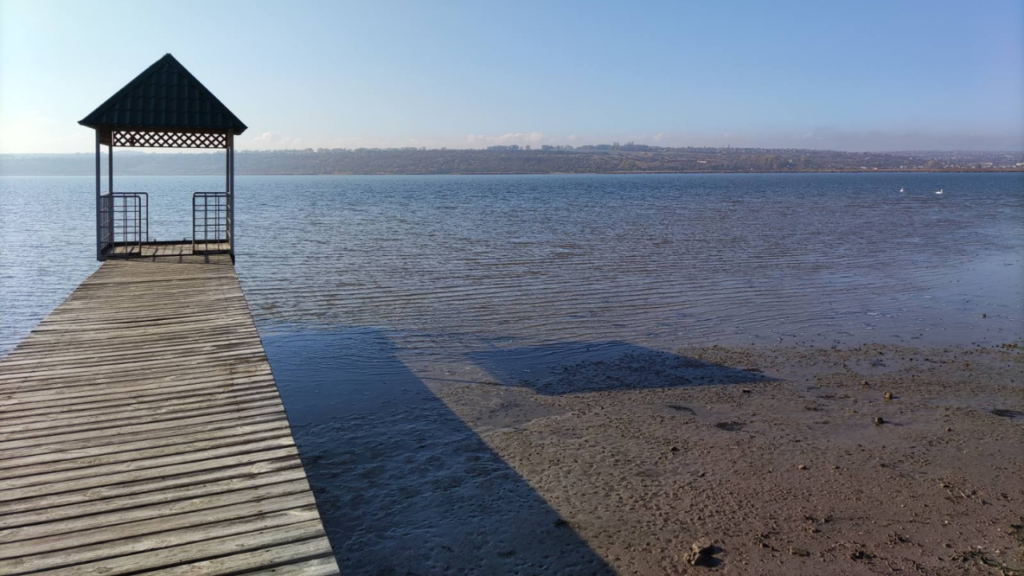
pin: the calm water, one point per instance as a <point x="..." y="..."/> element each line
<point x="347" y="274"/>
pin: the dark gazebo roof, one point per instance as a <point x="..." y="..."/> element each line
<point x="164" y="98"/>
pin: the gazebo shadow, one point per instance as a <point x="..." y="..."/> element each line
<point x="403" y="484"/>
<point x="580" y="367"/>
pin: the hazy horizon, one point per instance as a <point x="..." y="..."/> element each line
<point x="871" y="77"/>
<point x="136" y="151"/>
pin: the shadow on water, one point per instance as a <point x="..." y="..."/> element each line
<point x="575" y="367"/>
<point x="406" y="486"/>
<point x="403" y="484"/>
<point x="325" y="374"/>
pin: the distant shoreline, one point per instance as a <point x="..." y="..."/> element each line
<point x="637" y="173"/>
<point x="632" y="173"/>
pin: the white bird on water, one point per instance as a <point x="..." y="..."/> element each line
<point x="939" y="191"/>
<point x="901" y="188"/>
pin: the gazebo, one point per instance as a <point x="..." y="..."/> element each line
<point x="164" y="107"/>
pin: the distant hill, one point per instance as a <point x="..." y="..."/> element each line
<point x="611" y="158"/>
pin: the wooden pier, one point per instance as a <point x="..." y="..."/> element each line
<point x="141" y="431"/>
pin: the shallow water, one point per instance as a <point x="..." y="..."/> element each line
<point x="463" y="277"/>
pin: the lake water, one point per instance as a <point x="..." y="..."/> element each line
<point x="360" y="283"/>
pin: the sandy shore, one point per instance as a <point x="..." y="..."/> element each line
<point x="790" y="460"/>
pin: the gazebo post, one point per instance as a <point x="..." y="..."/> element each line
<point x="110" y="189"/>
<point x="231" y="193"/>
<point x="227" y="187"/>
<point x="99" y="202"/>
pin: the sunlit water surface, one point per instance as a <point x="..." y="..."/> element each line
<point x="358" y="284"/>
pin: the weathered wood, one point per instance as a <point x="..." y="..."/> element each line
<point x="141" y="430"/>
<point x="100" y="394"/>
<point x="12" y="461"/>
<point x="162" y="249"/>
<point x="97" y="511"/>
<point x="286" y="560"/>
<point x="95" y="409"/>
<point x="47" y="502"/>
<point x="62" y="447"/>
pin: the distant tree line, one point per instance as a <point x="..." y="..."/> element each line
<point x="604" y="158"/>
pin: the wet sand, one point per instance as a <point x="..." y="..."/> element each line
<point x="620" y="465"/>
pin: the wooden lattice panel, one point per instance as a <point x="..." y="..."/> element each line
<point x="132" y="139"/>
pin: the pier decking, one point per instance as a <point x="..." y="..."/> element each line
<point x="149" y="249"/>
<point x="141" y="430"/>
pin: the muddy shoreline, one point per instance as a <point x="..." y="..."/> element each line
<point x="790" y="460"/>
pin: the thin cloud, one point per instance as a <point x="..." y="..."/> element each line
<point x="270" y="141"/>
<point x="507" y="139"/>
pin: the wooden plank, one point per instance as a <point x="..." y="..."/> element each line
<point x="67" y="545"/>
<point x="96" y="523"/>
<point x="12" y="462"/>
<point x="104" y="474"/>
<point x="308" y="558"/>
<point x="93" y="418"/>
<point x="97" y="510"/>
<point x="195" y="550"/>
<point x="141" y="429"/>
<point x="89" y="407"/>
<point x="153" y="437"/>
<point x="30" y="490"/>
<point x="94" y="465"/>
<point x="323" y="566"/>
<point x="40" y="505"/>
<point x="132" y="425"/>
<point x="85" y="398"/>
<point x="125" y="548"/>
<point x="162" y="249"/>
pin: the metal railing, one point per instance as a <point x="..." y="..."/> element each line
<point x="124" y="221"/>
<point x="211" y="222"/>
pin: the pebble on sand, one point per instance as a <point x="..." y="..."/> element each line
<point x="700" y="553"/>
<point x="879" y="421"/>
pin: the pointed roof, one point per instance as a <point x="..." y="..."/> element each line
<point x="165" y="97"/>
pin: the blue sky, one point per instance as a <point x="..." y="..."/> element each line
<point x="860" y="75"/>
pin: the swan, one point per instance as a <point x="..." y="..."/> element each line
<point x="901" y="188"/>
<point x="939" y="191"/>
